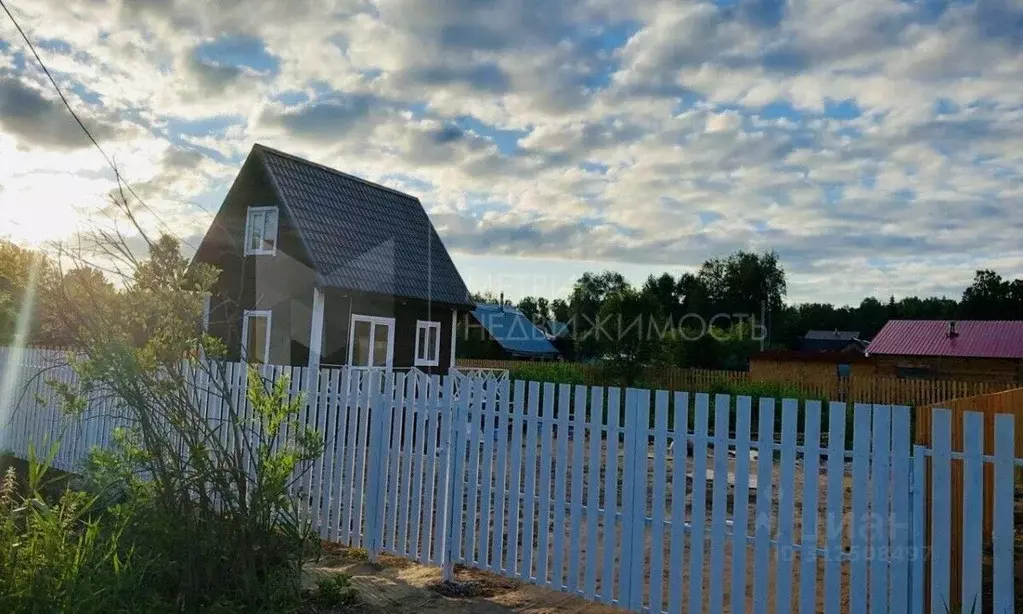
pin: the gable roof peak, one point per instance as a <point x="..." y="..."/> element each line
<point x="362" y="236"/>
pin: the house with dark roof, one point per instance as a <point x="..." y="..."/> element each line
<point x="503" y="331"/>
<point x="833" y="341"/>
<point x="964" y="350"/>
<point x="322" y="267"/>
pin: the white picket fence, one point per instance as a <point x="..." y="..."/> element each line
<point x="651" y="501"/>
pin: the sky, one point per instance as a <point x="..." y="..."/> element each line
<point x="876" y="145"/>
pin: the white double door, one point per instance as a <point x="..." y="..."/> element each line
<point x="371" y="341"/>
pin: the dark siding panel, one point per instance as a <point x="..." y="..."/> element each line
<point x="406" y="312"/>
<point x="951" y="368"/>
<point x="282" y="283"/>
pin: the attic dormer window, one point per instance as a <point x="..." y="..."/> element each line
<point x="261" y="231"/>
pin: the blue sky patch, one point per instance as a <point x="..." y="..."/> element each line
<point x="506" y="140"/>
<point x="238" y="50"/>
<point x="844" y="109"/>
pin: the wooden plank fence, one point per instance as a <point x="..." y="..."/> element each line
<point x="972" y="517"/>
<point x="853" y="389"/>
<point x="631" y="497"/>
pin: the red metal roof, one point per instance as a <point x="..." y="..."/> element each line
<point x="973" y="339"/>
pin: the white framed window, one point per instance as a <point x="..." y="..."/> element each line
<point x="256" y="336"/>
<point x="261" y="231"/>
<point x="427" y="343"/>
<point x="371" y="341"/>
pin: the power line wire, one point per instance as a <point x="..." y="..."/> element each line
<point x="110" y="163"/>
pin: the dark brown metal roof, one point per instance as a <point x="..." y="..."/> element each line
<point x="362" y="236"/>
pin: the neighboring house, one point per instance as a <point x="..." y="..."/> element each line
<point x="321" y="267"/>
<point x="833" y="341"/>
<point x="807" y="366"/>
<point x="967" y="350"/>
<point x="504" y="332"/>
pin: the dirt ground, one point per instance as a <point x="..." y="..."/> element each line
<point x="398" y="586"/>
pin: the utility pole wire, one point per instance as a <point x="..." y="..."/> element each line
<point x="117" y="173"/>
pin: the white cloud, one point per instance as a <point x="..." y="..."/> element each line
<point x="842" y="134"/>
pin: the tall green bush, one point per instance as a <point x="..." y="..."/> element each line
<point x="215" y="504"/>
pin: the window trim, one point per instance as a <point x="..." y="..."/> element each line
<point x="373" y="321"/>
<point x="427" y="325"/>
<point x="256" y="313"/>
<point x="249" y="251"/>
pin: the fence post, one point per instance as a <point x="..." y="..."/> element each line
<point x="381" y="395"/>
<point x="456" y="411"/>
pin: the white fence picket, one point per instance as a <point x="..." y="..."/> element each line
<point x="578" y="430"/>
<point x="515" y="506"/>
<point x="635" y="527"/>
<point x="811" y="494"/>
<point x="659" y="500"/>
<point x="859" y="527"/>
<point x="973" y="526"/>
<point x="529" y="488"/>
<point x="879" y="508"/>
<point x="941" y="506"/>
<point x="405" y="455"/>
<point x="347" y="454"/>
<point x="561" y="459"/>
<point x="458" y="434"/>
<point x="1002" y="537"/>
<point x="420" y="403"/>
<point x="635" y="564"/>
<point x="379" y="419"/>
<point x="485" y="526"/>
<point x="699" y="506"/>
<point x="473" y="438"/>
<point x="357" y="418"/>
<point x="835" y="514"/>
<point x="335" y="429"/>
<point x="392" y="462"/>
<point x="719" y="502"/>
<point x="680" y="428"/>
<point x="786" y="506"/>
<point x="544" y="486"/>
<point x="436" y="454"/>
<point x="500" y="523"/>
<point x="740" y="514"/>
<point x="594" y="425"/>
<point x="918" y="530"/>
<point x="611" y="502"/>
<point x="392" y="516"/>
<point x="762" y="522"/>
<point x="901" y="525"/>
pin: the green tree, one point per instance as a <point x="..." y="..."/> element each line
<point x="665" y="292"/>
<point x="22" y="273"/>
<point x="987" y="298"/>
<point x="487" y="297"/>
<point x="628" y="336"/>
<point x="588" y="296"/>
<point x="560" y="310"/>
<point x="536" y="309"/>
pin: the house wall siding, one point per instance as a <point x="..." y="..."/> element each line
<point x="802" y="371"/>
<point x="282" y="283"/>
<point x="953" y="368"/>
<point x="340" y="305"/>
